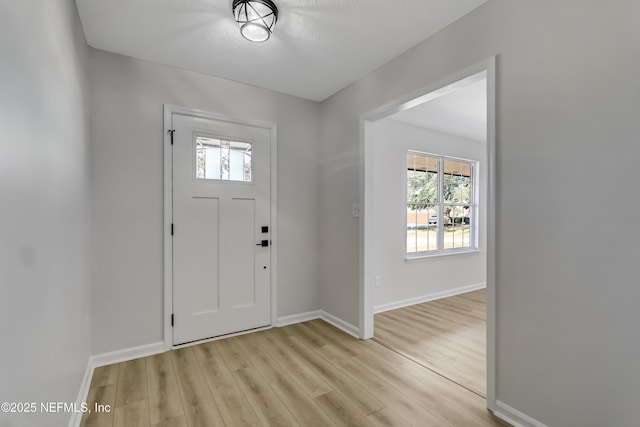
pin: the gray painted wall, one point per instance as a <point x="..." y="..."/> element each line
<point x="127" y="97"/>
<point x="400" y="279"/>
<point x="567" y="128"/>
<point x="44" y="120"/>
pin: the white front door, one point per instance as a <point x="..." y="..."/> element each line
<point x="221" y="228"/>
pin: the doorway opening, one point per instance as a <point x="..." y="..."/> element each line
<point x="427" y="233"/>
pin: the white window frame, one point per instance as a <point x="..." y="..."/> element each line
<point x="473" y="206"/>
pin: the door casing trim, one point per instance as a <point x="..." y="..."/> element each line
<point x="169" y="112"/>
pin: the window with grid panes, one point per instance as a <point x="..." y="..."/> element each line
<point x="441" y="208"/>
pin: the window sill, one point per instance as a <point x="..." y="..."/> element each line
<point x="424" y="256"/>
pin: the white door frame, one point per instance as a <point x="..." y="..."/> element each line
<point x="169" y="111"/>
<point x="367" y="264"/>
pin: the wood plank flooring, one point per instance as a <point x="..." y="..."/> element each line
<point x="446" y="335"/>
<point x="309" y="374"/>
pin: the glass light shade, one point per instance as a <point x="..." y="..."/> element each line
<point x="256" y="18"/>
<point x="254" y="32"/>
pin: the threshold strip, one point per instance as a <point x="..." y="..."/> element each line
<point x="417" y="362"/>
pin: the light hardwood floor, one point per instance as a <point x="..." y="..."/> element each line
<point x="309" y="374"/>
<point x="446" y="335"/>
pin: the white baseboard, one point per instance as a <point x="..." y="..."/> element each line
<point x="125" y="354"/>
<point x="426" y="298"/>
<point x="341" y="324"/>
<point x="320" y="314"/>
<point x="76" y="417"/>
<point x="109" y="358"/>
<point x="298" y="318"/>
<point x="515" y="417"/>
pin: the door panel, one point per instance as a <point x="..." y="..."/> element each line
<point x="221" y="200"/>
<point x="200" y="266"/>
<point x="241" y="252"/>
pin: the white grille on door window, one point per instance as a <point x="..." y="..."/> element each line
<point x="223" y="160"/>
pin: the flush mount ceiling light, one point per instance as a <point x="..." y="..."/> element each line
<point x="256" y="18"/>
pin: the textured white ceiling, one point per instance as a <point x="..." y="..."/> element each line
<point x="462" y="112"/>
<point x="318" y="46"/>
